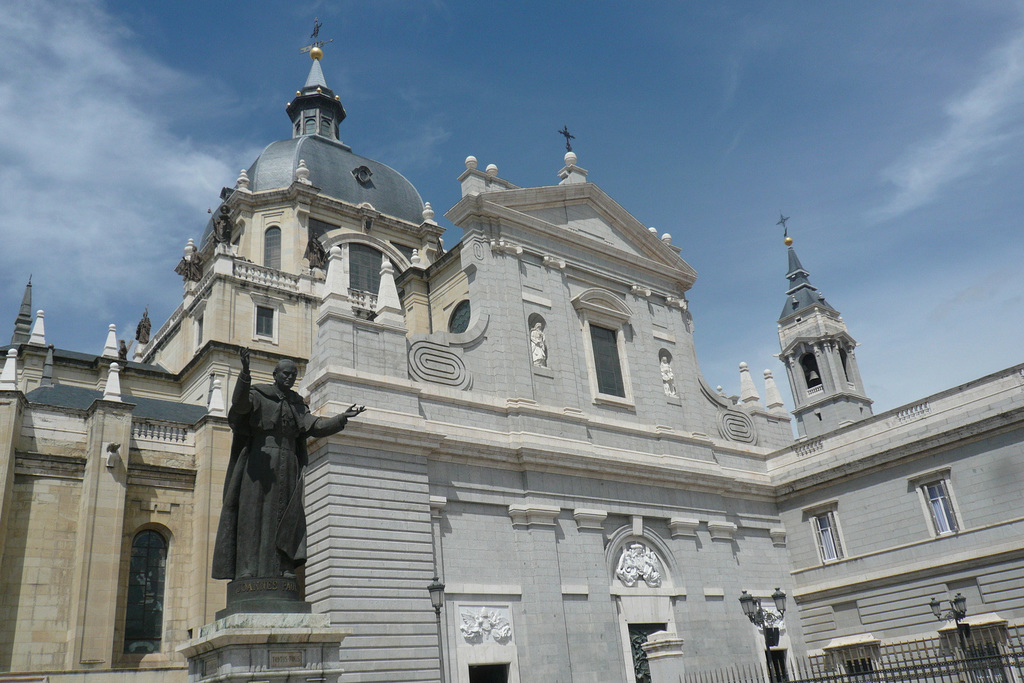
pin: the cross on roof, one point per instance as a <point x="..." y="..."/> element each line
<point x="782" y="222"/>
<point x="568" y="136"/>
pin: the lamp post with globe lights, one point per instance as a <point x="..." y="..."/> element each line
<point x="436" y="590"/>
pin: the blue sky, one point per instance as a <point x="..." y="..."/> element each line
<point x="891" y="133"/>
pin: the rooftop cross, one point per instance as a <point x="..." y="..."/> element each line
<point x="568" y="136"/>
<point x="317" y="43"/>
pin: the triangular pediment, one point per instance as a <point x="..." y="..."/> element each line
<point x="581" y="215"/>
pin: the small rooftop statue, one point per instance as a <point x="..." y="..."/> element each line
<point x="222" y="225"/>
<point x="143" y="329"/>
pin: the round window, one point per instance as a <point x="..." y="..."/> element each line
<point x="459" y="322"/>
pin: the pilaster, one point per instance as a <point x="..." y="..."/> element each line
<point x="100" y="536"/>
<point x="12" y="407"/>
<point x="213" y="448"/>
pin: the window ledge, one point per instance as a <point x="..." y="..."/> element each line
<point x="608" y="399"/>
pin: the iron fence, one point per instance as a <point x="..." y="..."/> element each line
<point x="989" y="655"/>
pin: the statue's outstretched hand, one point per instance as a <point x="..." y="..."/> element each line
<point x="354" y="410"/>
<point x="244" y="354"/>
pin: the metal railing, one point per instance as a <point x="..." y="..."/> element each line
<point x="991" y="655"/>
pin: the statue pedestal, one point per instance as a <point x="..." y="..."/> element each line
<point x="276" y="595"/>
<point x="284" y="648"/>
<point x="665" y="657"/>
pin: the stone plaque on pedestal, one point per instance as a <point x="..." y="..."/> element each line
<point x="285" y="648"/>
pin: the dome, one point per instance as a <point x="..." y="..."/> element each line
<point x="333" y="168"/>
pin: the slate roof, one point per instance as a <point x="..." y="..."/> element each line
<point x="80" y="398"/>
<point x="801" y="293"/>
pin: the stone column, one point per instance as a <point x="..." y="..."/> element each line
<point x="100" y="536"/>
<point x="12" y="407"/>
<point x="665" y="657"/>
<point x="213" y="446"/>
<point x="544" y="652"/>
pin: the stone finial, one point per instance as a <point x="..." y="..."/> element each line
<point x="112" y="391"/>
<point x="666" y="238"/>
<point x="471" y="162"/>
<point x="336" y="282"/>
<point x="570" y="159"/>
<point x="428" y="213"/>
<point x="302" y="173"/>
<point x="653" y="231"/>
<point x="216" y="406"/>
<point x="190" y="248"/>
<point x="492" y="170"/>
<point x="110" y="348"/>
<point x="748" y="392"/>
<point x="9" y="376"/>
<point x="243" y="180"/>
<point x="47" y="378"/>
<point x="38" y="331"/>
<point x="416" y="260"/>
<point x="389" y="306"/>
<point x="772" y="397"/>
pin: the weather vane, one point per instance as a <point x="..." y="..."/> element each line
<point x="785" y="231"/>
<point x="568" y="136"/>
<point x="315" y="35"/>
<point x="782" y="222"/>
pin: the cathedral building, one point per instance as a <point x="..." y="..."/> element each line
<point x="539" y="438"/>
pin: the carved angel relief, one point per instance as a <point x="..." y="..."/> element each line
<point x="638" y="562"/>
<point x="487" y="624"/>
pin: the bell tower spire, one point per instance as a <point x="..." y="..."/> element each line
<point x="23" y="323"/>
<point x="316" y="110"/>
<point x="818" y="353"/>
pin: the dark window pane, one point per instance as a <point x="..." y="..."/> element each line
<point x="459" y="322"/>
<point x="606" y="361"/>
<point x="264" y="321"/>
<point x="364" y="268"/>
<point x="144" y="613"/>
<point x="272" y="248"/>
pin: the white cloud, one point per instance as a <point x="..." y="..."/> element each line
<point x="93" y="183"/>
<point x="979" y="122"/>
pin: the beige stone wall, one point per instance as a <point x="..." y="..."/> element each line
<point x="36" y="575"/>
<point x="448" y="288"/>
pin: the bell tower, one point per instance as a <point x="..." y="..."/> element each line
<point x="818" y="353"/>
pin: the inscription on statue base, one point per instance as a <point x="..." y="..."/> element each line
<point x="264" y="595"/>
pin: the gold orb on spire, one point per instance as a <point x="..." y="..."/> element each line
<point x="788" y="241"/>
<point x="316" y="53"/>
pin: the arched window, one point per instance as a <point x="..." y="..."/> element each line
<point x="846" y="370"/>
<point x="810" y="368"/>
<point x="325" y="126"/>
<point x="364" y="268"/>
<point x="459" y="322"/>
<point x="144" y="616"/>
<point x="272" y="248"/>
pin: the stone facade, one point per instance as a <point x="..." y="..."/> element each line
<point x="539" y="437"/>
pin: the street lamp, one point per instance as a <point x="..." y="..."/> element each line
<point x="765" y="619"/>
<point x="957" y="612"/>
<point x="436" y="590"/>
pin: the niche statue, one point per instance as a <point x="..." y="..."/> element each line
<point x="262" y="531"/>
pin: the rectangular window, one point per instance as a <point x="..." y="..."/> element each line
<point x="936" y="493"/>
<point x="264" y="321"/>
<point x="488" y="673"/>
<point x="606" y="361"/>
<point x="827" y="534"/>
